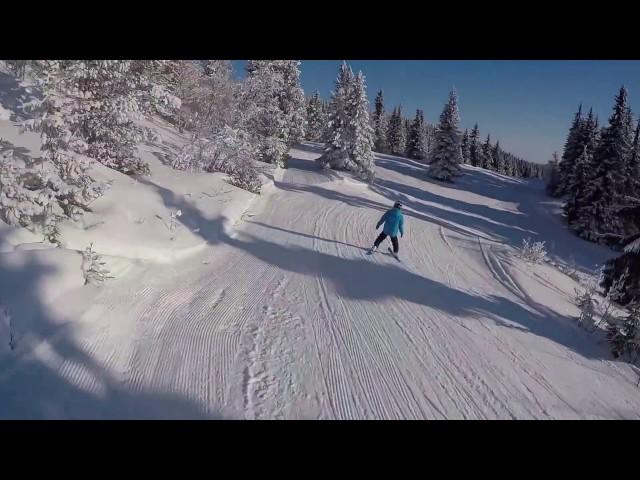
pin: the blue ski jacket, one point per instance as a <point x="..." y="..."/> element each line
<point x="393" y="222"/>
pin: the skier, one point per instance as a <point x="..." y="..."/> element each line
<point x="393" y="223"/>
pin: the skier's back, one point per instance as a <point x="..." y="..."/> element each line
<point x="393" y="221"/>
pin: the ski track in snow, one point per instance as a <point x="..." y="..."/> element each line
<point x="255" y="334"/>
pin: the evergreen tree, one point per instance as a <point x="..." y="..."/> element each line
<point x="351" y="134"/>
<point x="61" y="177"/>
<point x="416" y="141"/>
<point x="424" y="142"/>
<point x="487" y="154"/>
<point x="447" y="155"/>
<point x="380" y="124"/>
<point x="632" y="187"/>
<point x="551" y="172"/>
<point x="273" y="107"/>
<point x="579" y="180"/>
<point x="315" y="118"/>
<point x="106" y="102"/>
<point x="475" y="147"/>
<point x="396" y="133"/>
<point x="465" y="147"/>
<point x="429" y="141"/>
<point x="508" y="166"/>
<point x="572" y="149"/>
<point x="606" y="189"/>
<point x="219" y="102"/>
<point x="624" y="270"/>
<point x="498" y="159"/>
<point x="292" y="101"/>
<point x="361" y="151"/>
<point x="336" y="152"/>
<point x="582" y="173"/>
<point x="406" y="124"/>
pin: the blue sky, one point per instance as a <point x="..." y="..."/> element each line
<point x="527" y="105"/>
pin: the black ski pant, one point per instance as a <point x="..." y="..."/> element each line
<point x="394" y="241"/>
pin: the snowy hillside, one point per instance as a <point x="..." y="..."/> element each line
<point x="268" y="307"/>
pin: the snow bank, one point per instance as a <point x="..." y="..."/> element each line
<point x="133" y="219"/>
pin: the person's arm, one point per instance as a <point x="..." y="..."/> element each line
<point x="401" y="225"/>
<point x="382" y="220"/>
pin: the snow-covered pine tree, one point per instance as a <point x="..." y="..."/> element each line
<point x="589" y="134"/>
<point x="430" y="135"/>
<point x="624" y="270"/>
<point x="581" y="173"/>
<point x="273" y="107"/>
<point x="632" y="187"/>
<point x="475" y="147"/>
<point x="465" y="147"/>
<point x="624" y="335"/>
<point x="552" y="174"/>
<point x="498" y="159"/>
<point x="336" y="151"/>
<point x="629" y="201"/>
<point x="406" y="123"/>
<point x="447" y="156"/>
<point x="380" y="124"/>
<point x="351" y="134"/>
<point x="217" y="106"/>
<point x="425" y="141"/>
<point x="572" y="149"/>
<point x="578" y="182"/>
<point x="24" y="194"/>
<point x="292" y="101"/>
<point x="315" y="118"/>
<point x="487" y="155"/>
<point x="416" y="141"/>
<point x="392" y="130"/>
<point x="606" y="189"/>
<point x="61" y="174"/>
<point x="361" y="149"/>
<point x="154" y="88"/>
<point x="396" y="133"/>
<point x="185" y="79"/>
<point x="508" y="167"/>
<point x="93" y="267"/>
<point x="109" y="100"/>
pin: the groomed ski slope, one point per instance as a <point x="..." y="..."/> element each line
<point x="284" y="316"/>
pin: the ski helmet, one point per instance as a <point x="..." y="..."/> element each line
<point x="397" y="205"/>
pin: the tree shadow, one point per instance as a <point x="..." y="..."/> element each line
<point x="366" y="280"/>
<point x="192" y="218"/>
<point x="475" y="180"/>
<point x="306" y="235"/>
<point x="20" y="153"/>
<point x="32" y="387"/>
<point x="14" y="97"/>
<point x="531" y="221"/>
<point x="363" y="202"/>
<point x="499" y="225"/>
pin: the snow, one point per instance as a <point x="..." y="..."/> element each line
<point x="133" y="219"/>
<point x="4" y="114"/>
<point x="268" y="307"/>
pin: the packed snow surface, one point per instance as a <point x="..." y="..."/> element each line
<point x="267" y="306"/>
